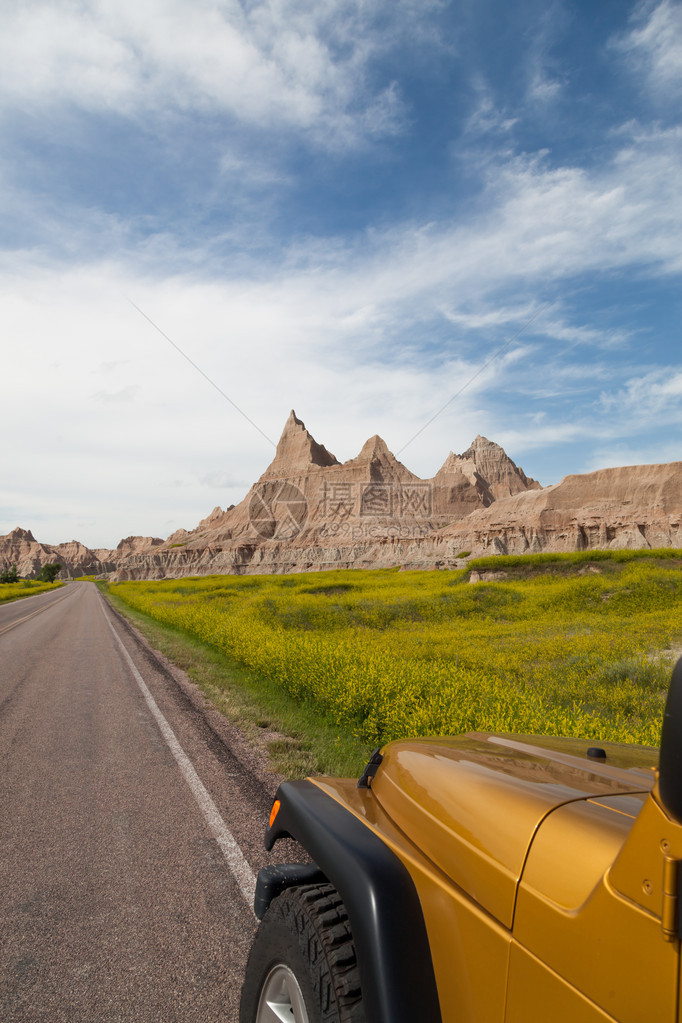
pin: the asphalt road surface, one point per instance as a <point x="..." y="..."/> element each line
<point x="130" y="834"/>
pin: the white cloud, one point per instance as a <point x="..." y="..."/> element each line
<point x="534" y="223"/>
<point x="542" y="434"/>
<point x="291" y="62"/>
<point x="649" y="395"/>
<point x="655" y="44"/>
<point x="535" y="319"/>
<point x="540" y="225"/>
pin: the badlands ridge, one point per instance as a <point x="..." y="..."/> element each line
<point x="309" y="511"/>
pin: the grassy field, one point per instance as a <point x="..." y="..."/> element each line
<point x="24" y="588"/>
<point x="562" y="645"/>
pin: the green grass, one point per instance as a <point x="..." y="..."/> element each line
<point x="24" y="588"/>
<point x="526" y="563"/>
<point x="563" y="645"/>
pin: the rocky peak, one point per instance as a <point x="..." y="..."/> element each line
<point x="455" y="464"/>
<point x="503" y="477"/>
<point x="374" y="448"/>
<point x="459" y="474"/>
<point x="297" y="452"/>
<point x="216" y="517"/>
<point x="376" y="460"/>
<point x="74" y="546"/>
<point x="22" y="534"/>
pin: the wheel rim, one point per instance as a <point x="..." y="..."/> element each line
<point x="281" y="999"/>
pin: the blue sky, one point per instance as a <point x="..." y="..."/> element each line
<point x="353" y="209"/>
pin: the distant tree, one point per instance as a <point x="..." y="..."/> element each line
<point x="9" y="575"/>
<point x="49" y="572"/>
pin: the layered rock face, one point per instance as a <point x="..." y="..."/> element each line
<point x="310" y="511"/>
<point x="632" y="507"/>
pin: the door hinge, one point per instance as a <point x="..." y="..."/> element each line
<point x="670" y="917"/>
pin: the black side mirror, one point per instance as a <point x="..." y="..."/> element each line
<point x="670" y="762"/>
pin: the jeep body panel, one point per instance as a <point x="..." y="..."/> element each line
<point x="492" y="797"/>
<point x="476" y="802"/>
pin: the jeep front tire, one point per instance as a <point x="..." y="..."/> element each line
<point x="302" y="966"/>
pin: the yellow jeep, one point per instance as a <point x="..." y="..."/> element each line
<point x="478" y="879"/>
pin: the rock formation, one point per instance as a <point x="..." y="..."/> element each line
<point x="20" y="548"/>
<point x="308" y="511"/>
<point x="134" y="544"/>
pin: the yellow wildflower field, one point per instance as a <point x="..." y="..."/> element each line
<point x="24" y="588"/>
<point x="566" y="645"/>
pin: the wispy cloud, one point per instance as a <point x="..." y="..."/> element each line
<point x="487" y="116"/>
<point x="543" y="68"/>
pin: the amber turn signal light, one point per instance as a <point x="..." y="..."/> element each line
<point x="273" y="813"/>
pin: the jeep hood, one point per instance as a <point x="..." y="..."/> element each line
<point x="473" y="803"/>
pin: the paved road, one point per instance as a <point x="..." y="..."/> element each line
<point x="124" y="876"/>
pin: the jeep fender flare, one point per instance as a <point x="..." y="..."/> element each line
<point x="384" y="911"/>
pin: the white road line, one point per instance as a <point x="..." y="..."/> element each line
<point x="236" y="861"/>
